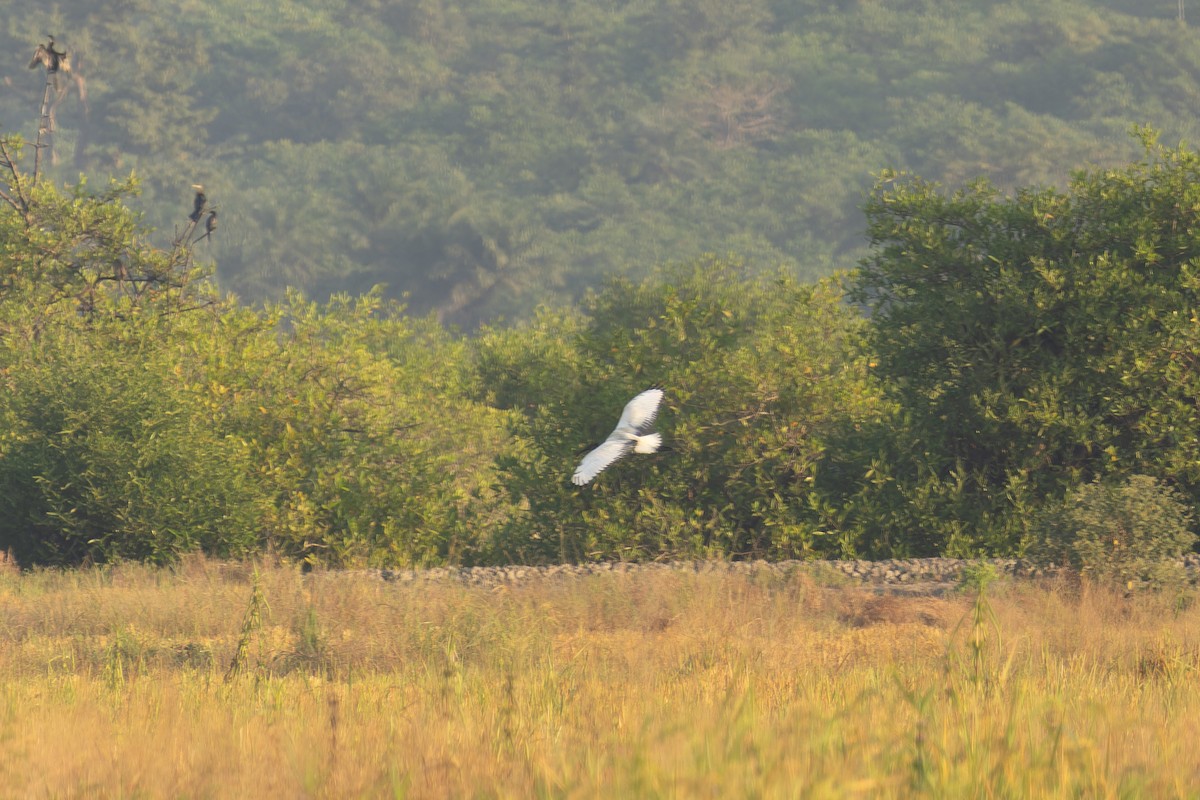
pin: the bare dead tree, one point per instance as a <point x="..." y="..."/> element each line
<point x="53" y="61"/>
<point x="45" y="131"/>
<point x="89" y="264"/>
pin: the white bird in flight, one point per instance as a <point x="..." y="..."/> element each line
<point x="632" y="433"/>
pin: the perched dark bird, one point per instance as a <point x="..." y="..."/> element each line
<point x="201" y="200"/>
<point x="632" y="433"/>
<point x="210" y="225"/>
<point x="53" y="60"/>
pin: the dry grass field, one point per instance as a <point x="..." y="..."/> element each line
<point x="118" y="683"/>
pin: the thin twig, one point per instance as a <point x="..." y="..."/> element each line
<point x="4" y="196"/>
<point x="23" y="202"/>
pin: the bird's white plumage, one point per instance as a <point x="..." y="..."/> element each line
<point x="597" y="460"/>
<point x="632" y="433"/>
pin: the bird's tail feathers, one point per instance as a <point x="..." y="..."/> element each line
<point x="648" y="443"/>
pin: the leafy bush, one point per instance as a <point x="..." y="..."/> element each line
<point x="103" y="450"/>
<point x="757" y="373"/>
<point x="364" y="447"/>
<point x="104" y="456"/>
<point x="1132" y="533"/>
<point x="1034" y="341"/>
<point x="143" y="417"/>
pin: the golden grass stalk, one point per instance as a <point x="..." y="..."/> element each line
<point x="662" y="684"/>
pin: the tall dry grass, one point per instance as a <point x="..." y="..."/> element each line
<point x="113" y="684"/>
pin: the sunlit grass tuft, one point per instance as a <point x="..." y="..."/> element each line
<point x="113" y="683"/>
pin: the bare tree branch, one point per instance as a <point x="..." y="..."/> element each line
<point x="22" y="202"/>
<point x="45" y="126"/>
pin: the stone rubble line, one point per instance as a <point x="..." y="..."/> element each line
<point x="893" y="572"/>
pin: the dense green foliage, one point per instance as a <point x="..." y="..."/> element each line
<point x="759" y="373"/>
<point x="106" y="457"/>
<point x="142" y="416"/>
<point x="483" y="156"/>
<point x="1131" y="534"/>
<point x="1016" y="349"/>
<point x="1035" y="342"/>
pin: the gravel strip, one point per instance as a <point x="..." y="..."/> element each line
<point x="922" y="575"/>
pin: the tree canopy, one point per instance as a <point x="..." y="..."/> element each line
<point x="607" y="198"/>
<point x="993" y="356"/>
<point x="1036" y="341"/>
<point x="479" y="158"/>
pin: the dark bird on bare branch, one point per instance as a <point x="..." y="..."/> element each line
<point x="210" y="225"/>
<point x="201" y="200"/>
<point x="50" y="58"/>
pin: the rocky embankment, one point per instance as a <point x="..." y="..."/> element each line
<point x="916" y="575"/>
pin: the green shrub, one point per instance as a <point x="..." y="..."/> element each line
<point x="364" y="449"/>
<point x="104" y="456"/>
<point x="757" y="372"/>
<point x="1033" y="340"/>
<point x="1132" y="533"/>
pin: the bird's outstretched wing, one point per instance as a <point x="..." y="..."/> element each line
<point x="41" y="57"/>
<point x="635" y="423"/>
<point x="640" y="412"/>
<point x="595" y="462"/>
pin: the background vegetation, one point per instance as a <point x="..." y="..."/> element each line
<point x="1015" y="349"/>
<point x="483" y="157"/>
<point x="1002" y="345"/>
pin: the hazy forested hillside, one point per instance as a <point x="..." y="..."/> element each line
<point x="484" y="156"/>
